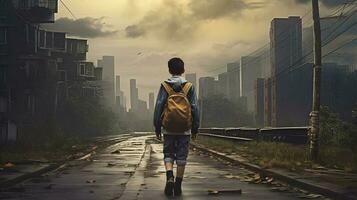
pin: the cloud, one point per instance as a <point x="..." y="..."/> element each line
<point x="134" y="31"/>
<point x="87" y="27"/>
<point x="173" y="20"/>
<point x="328" y="3"/>
<point x="213" y="9"/>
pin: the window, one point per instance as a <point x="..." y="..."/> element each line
<point x="3" y="104"/>
<point x="3" y="74"/>
<point x="41" y="38"/>
<point x="82" y="69"/>
<point x="31" y="104"/>
<point x="61" y="75"/>
<point x="3" y="35"/>
<point x="82" y="47"/>
<point x="60" y="40"/>
<point x="89" y="70"/>
<point x="49" y="40"/>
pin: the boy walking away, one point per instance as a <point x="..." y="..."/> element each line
<point x="176" y="116"/>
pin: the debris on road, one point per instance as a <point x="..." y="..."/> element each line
<point x="91" y="181"/>
<point x="9" y="165"/>
<point x="116" y="152"/>
<point x="310" y="196"/>
<point x="49" y="187"/>
<point x="111" y="164"/>
<point x="230" y="176"/>
<point x="216" y="192"/>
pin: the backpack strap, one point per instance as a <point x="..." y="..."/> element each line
<point x="186" y="88"/>
<point x="168" y="88"/>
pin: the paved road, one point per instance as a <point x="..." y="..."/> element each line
<point x="133" y="169"/>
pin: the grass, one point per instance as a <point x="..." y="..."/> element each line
<point x="282" y="155"/>
<point x="50" y="150"/>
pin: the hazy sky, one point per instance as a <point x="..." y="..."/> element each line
<point x="144" y="34"/>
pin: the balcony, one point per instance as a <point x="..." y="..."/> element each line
<point x="54" y="41"/>
<point x="37" y="11"/>
<point x="77" y="48"/>
<point x="85" y="70"/>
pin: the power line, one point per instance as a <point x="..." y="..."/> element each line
<point x="343" y="7"/>
<point x="339" y="26"/>
<point x="292" y="68"/>
<point x="67" y="8"/>
<point x="268" y="43"/>
<point x="331" y="33"/>
<point x="340" y="47"/>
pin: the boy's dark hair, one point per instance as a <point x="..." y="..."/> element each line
<point x="176" y="66"/>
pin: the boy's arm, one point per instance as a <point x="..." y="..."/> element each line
<point x="195" y="111"/>
<point x="159" y="107"/>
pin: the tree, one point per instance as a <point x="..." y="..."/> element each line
<point x="85" y="116"/>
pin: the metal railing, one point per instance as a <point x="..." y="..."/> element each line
<point x="293" y="135"/>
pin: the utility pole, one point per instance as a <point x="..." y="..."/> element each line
<point x="315" y="114"/>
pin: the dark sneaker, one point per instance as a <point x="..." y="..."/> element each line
<point x="177" y="189"/>
<point x="169" y="187"/>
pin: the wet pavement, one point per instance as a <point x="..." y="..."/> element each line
<point x="133" y="169"/>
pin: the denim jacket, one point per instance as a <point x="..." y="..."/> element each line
<point x="176" y="84"/>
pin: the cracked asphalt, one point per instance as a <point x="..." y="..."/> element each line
<point x="133" y="169"/>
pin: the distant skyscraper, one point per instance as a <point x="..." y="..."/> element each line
<point x="108" y="80"/>
<point x="134" y="95"/>
<point x="286" y="51"/>
<point x="207" y="85"/>
<point x="233" y="81"/>
<point x="267" y="102"/>
<point x="223" y="85"/>
<point x="250" y="70"/>
<point x="142" y="106"/>
<point x="151" y="101"/>
<point x="117" y="84"/>
<point x="193" y="79"/>
<point x="259" y="102"/>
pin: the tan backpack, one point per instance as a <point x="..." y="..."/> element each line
<point x="177" y="116"/>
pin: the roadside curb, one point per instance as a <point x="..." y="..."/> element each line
<point x="279" y="176"/>
<point x="21" y="178"/>
<point x="52" y="166"/>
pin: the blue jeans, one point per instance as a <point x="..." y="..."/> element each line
<point x="176" y="149"/>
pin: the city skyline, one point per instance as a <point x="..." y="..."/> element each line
<point x="229" y="34"/>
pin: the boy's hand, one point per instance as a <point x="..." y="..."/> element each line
<point x="158" y="136"/>
<point x="194" y="137"/>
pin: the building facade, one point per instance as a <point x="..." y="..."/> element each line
<point x="250" y="70"/>
<point x="259" y="102"/>
<point x="192" y="78"/>
<point x="134" y="95"/>
<point x="151" y="102"/>
<point x="233" y="70"/>
<point x="285" y="52"/>
<point x="39" y="69"/>
<point x="108" y="80"/>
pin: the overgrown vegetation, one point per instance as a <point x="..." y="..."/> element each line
<point x="337" y="133"/>
<point x="57" y="148"/>
<point x="76" y="121"/>
<point x="338" y="141"/>
<point x="220" y="112"/>
<point x="83" y="116"/>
